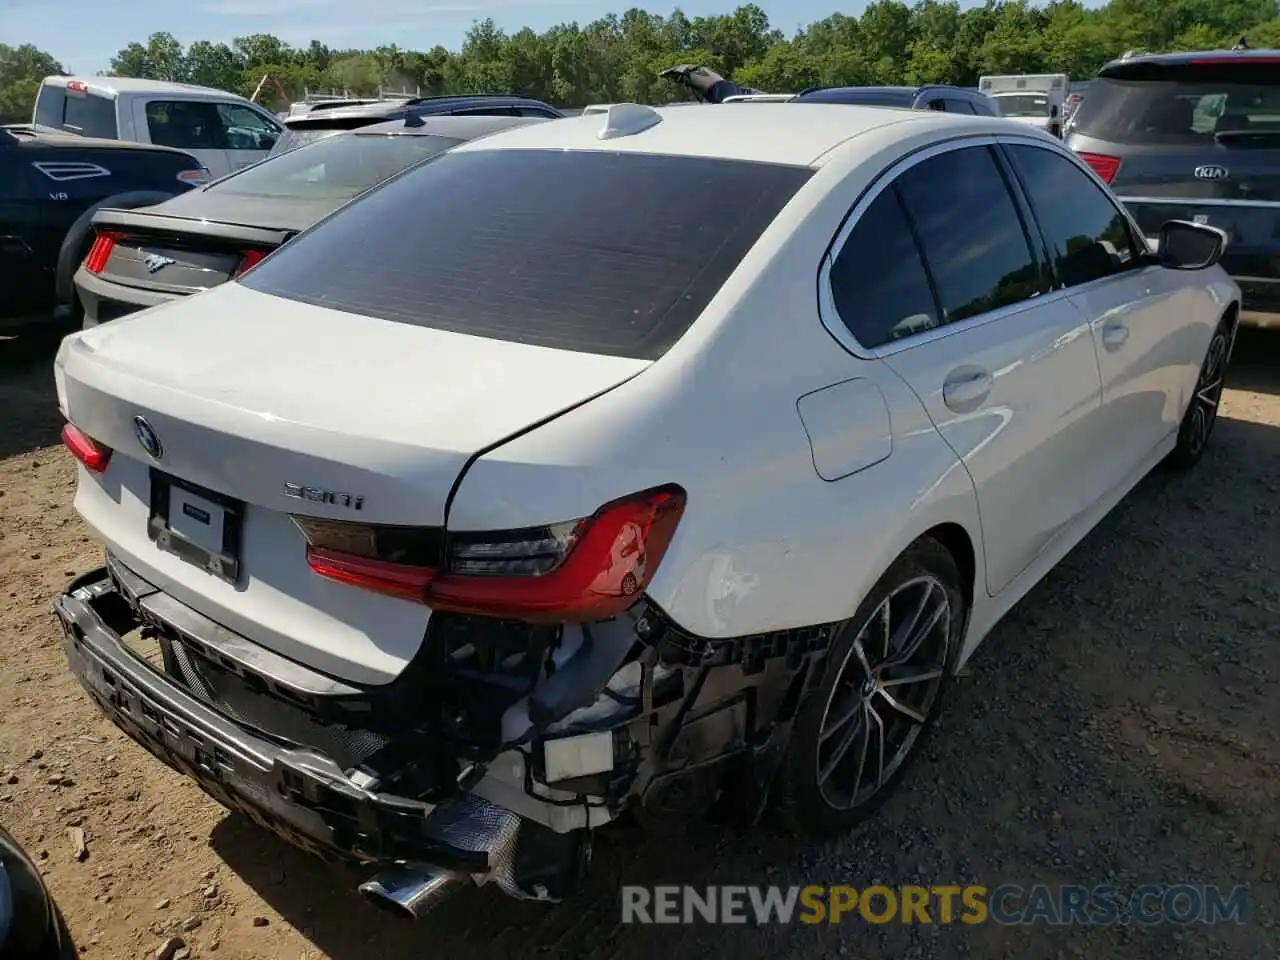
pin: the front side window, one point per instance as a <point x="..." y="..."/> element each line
<point x="1088" y="236"/>
<point x="185" y="124"/>
<point x="971" y="234"/>
<point x="584" y="250"/>
<point x="959" y="106"/>
<point x="246" y="129"/>
<point x="878" y="281"/>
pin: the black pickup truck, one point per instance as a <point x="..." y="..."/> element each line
<point x="51" y="184"/>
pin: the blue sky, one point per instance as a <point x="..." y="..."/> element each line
<point x="84" y="34"/>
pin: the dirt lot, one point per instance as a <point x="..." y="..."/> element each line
<point x="1120" y="727"/>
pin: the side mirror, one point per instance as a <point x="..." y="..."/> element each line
<point x="1190" y="246"/>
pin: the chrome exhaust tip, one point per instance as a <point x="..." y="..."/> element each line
<point x="408" y="893"/>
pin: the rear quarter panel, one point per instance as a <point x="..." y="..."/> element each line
<point x="765" y="542"/>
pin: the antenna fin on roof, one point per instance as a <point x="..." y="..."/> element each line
<point x="625" y="119"/>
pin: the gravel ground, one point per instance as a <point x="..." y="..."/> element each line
<point x="1119" y="727"/>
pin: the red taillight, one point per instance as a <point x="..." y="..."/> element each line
<point x="1104" y="166"/>
<point x="589" y="569"/>
<point x="103" y="243"/>
<point x="380" y="576"/>
<point x="250" y="259"/>
<point x="84" y="448"/>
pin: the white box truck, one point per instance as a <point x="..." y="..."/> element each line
<point x="1037" y="99"/>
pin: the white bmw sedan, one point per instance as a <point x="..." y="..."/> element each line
<point x="642" y="460"/>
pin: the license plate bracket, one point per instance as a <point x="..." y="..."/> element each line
<point x="201" y="526"/>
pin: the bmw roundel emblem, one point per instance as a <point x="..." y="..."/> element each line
<point x="147" y="437"/>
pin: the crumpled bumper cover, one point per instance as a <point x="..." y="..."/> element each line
<point x="298" y="793"/>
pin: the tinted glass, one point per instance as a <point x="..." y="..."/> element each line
<point x="1188" y="104"/>
<point x="1087" y="234"/>
<point x="878" y="281"/>
<point x="958" y="106"/>
<point x="185" y="124"/>
<point x="90" y="115"/>
<point x="50" y="103"/>
<point x="335" y="168"/>
<point x="611" y="253"/>
<point x="973" y="238"/>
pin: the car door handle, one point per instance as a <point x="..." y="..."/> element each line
<point x="1114" y="334"/>
<point x="965" y="388"/>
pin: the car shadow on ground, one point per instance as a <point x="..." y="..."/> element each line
<point x="1255" y="361"/>
<point x="29" y="416"/>
<point x="1118" y="727"/>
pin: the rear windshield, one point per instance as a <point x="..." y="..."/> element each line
<point x="1186" y="104"/>
<point x="84" y="113"/>
<point x="599" y="252"/>
<point x="336" y="168"/>
<point x="295" y="135"/>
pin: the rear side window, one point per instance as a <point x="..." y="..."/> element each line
<point x="51" y="102"/>
<point x="878" y="281"/>
<point x="186" y="124"/>
<point x="599" y="252"/>
<point x="1184" y="104"/>
<point x="1087" y="234"/>
<point x="336" y="168"/>
<point x="972" y="235"/>
<point x="89" y="115"/>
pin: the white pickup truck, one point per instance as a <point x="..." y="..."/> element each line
<point x="221" y="130"/>
<point x="1038" y="99"/>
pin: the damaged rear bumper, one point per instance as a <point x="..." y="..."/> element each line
<point x="296" y="792"/>
<point x="696" y="713"/>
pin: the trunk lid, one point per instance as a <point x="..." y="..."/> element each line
<point x="244" y="394"/>
<point x="189" y="246"/>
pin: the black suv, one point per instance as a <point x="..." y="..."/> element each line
<point x="1196" y="136"/>
<point x="324" y="120"/>
<point x="941" y="97"/>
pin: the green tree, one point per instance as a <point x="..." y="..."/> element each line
<point x="619" y="56"/>
<point x="21" y="70"/>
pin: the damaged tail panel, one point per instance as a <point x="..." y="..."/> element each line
<point x="490" y="759"/>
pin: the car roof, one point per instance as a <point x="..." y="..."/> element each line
<point x="116" y="85"/>
<point x="760" y="131"/>
<point x="464" y="128"/>
<point x="1189" y="56"/>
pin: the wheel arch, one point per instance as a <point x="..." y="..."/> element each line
<point x="1231" y="316"/>
<point x="957" y="542"/>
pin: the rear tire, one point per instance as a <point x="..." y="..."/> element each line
<point x="879" y="697"/>
<point x="1202" y="413"/>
